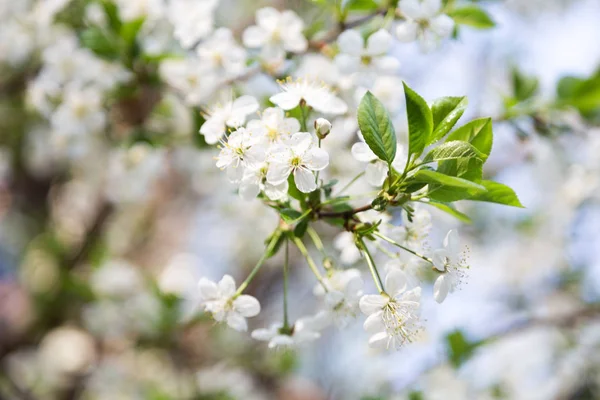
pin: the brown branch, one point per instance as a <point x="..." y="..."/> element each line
<point x="91" y="238"/>
<point x="344" y="214"/>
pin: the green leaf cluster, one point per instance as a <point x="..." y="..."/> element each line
<point x="116" y="41"/>
<point x="444" y="163"/>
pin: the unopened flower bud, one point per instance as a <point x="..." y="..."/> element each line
<point x="322" y="127"/>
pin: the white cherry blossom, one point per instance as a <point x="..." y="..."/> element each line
<point x="452" y="265"/>
<point x="344" y="289"/>
<point x="306" y="329"/>
<point x="221" y="53"/>
<point x="345" y="244"/>
<point x="317" y="95"/>
<point x="191" y="78"/>
<point x="231" y="113"/>
<point x="368" y="59"/>
<point x="298" y="156"/>
<point x="377" y="170"/>
<point x="193" y="20"/>
<point x="241" y="150"/>
<point x="393" y="317"/>
<point x="255" y="180"/>
<point x="80" y="113"/>
<point x="276" y="33"/>
<point x="222" y="302"/>
<point x="273" y="125"/>
<point x="413" y="233"/>
<point x="424" y="23"/>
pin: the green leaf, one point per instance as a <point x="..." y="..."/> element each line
<point x="434" y="177"/>
<point x="446" y="112"/>
<point x="293" y="190"/>
<point x="100" y="43"/>
<point x="453" y="150"/>
<point x="377" y="128"/>
<point x="360" y="5"/>
<point x="301" y="228"/>
<point x="459" y="348"/>
<point x="447" y="208"/>
<point x="524" y="87"/>
<point x="420" y="121"/>
<point x="581" y="93"/>
<point x="112" y="14"/>
<point x="472" y="16"/>
<point x="130" y="30"/>
<point x="479" y="133"/>
<point x="289" y="215"/>
<point x="279" y="239"/>
<point x="498" y="193"/>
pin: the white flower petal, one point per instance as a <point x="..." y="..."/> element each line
<point x="379" y="340"/>
<point x="213" y="129"/>
<point x="290" y="126"/>
<point x="379" y="43"/>
<point x="371" y="303"/>
<point x="278" y="173"/>
<point x="254" y="36"/>
<point x="208" y="289"/>
<point x="407" y="31"/>
<point x="452" y="243"/>
<point x="226" y="286"/>
<point x="247" y="306"/>
<point x="429" y="8"/>
<point x="237" y="322"/>
<point x="286" y="100"/>
<point x="347" y="63"/>
<point x="300" y="142"/>
<point x="439" y="259"/>
<point x="442" y="25"/>
<point x="395" y="282"/>
<point x="264" y="334"/>
<point x="376" y="172"/>
<point x="268" y="18"/>
<point x="276" y="192"/>
<point x="411" y="8"/>
<point x="441" y="287"/>
<point x="335" y="106"/>
<point x="317" y="160"/>
<point x="374" y="323"/>
<point x="305" y="180"/>
<point x="281" y="341"/>
<point x="244" y="106"/>
<point x="361" y="152"/>
<point x="295" y="43"/>
<point x="351" y="42"/>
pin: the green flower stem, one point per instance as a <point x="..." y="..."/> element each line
<point x="316" y="240"/>
<point x="372" y="267"/>
<point x="286" y="323"/>
<point x="391" y="241"/>
<point x="310" y="261"/>
<point x="259" y="264"/>
<point x="305" y="112"/>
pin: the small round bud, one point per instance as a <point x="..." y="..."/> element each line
<point x="322" y="127"/>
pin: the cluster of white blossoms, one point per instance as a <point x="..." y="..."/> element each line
<point x="261" y="155"/>
<point x="424" y="23"/>
<point x="279" y="140"/>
